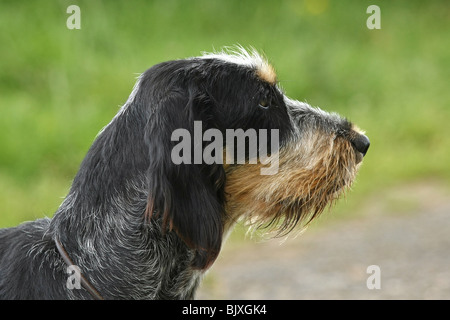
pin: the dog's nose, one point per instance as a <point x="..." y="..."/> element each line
<point x="361" y="143"/>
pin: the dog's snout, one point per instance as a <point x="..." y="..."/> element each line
<point x="361" y="143"/>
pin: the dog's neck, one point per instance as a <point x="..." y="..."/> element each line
<point x="102" y="225"/>
<point x="122" y="254"/>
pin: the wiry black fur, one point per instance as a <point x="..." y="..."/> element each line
<point x="137" y="225"/>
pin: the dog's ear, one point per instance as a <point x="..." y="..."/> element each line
<point x="188" y="196"/>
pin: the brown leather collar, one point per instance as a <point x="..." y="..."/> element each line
<point x="84" y="282"/>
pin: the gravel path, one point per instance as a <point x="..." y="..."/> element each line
<point x="410" y="246"/>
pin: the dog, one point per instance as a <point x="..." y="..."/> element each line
<point x="136" y="224"/>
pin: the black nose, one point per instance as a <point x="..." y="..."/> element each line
<point x="361" y="143"/>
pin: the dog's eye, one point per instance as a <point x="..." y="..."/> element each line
<point x="264" y="104"/>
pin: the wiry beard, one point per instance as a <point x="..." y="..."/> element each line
<point x="313" y="173"/>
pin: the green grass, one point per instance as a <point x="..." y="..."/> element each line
<point x="59" y="87"/>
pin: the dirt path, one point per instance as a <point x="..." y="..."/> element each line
<point x="410" y="246"/>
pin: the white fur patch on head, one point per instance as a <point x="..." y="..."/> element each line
<point x="251" y="58"/>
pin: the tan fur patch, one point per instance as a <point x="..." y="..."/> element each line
<point x="266" y="72"/>
<point x="311" y="176"/>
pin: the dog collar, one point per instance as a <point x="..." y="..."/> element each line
<point x="84" y="282"/>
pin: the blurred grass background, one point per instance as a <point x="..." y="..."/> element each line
<point x="59" y="87"/>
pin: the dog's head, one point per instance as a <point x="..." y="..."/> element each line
<point x="200" y="110"/>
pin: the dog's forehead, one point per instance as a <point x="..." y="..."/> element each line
<point x="252" y="59"/>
